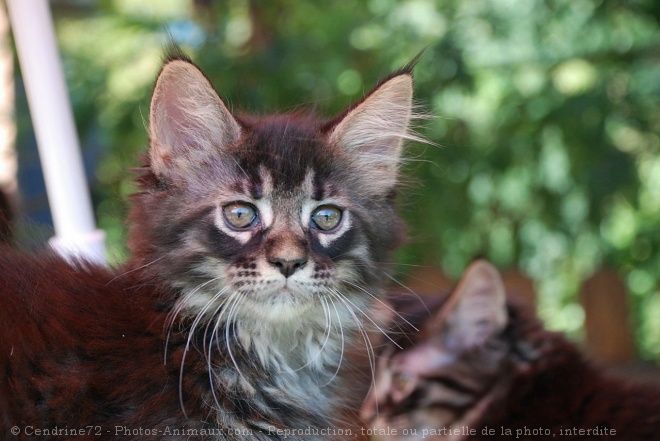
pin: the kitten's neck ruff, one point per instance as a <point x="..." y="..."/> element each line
<point x="310" y="342"/>
<point x="287" y="334"/>
<point x="302" y="351"/>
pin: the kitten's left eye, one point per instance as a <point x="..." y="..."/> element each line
<point x="240" y="215"/>
<point x="326" y="218"/>
<point x="402" y="379"/>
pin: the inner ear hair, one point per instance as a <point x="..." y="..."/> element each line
<point x="476" y="311"/>
<point x="189" y="123"/>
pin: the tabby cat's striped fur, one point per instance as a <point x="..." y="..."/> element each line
<point x="482" y="369"/>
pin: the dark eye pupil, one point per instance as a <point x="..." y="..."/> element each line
<point x="240" y="212"/>
<point x="239" y="215"/>
<point x="326" y="218"/>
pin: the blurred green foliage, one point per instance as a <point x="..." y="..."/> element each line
<point x="546" y="114"/>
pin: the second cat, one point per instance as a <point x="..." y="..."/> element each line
<point x="482" y="369"/>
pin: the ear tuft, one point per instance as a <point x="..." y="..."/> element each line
<point x="372" y="132"/>
<point x="189" y="123"/>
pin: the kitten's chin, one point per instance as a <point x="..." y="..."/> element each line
<point x="283" y="300"/>
<point x="281" y="305"/>
<point x="282" y="312"/>
<point x="276" y="302"/>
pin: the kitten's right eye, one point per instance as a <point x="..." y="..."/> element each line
<point x="240" y="215"/>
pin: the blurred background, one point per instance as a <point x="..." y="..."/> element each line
<point x="546" y="116"/>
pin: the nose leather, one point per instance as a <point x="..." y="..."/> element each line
<point x="288" y="267"/>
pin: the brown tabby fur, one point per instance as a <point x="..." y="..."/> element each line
<point x="519" y="377"/>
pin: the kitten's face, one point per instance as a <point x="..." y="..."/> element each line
<point x="284" y="246"/>
<point x="279" y="231"/>
<point x="269" y="216"/>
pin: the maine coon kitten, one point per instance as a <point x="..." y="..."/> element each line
<point x="258" y="246"/>
<point x="480" y="369"/>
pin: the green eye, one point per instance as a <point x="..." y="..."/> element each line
<point x="240" y="215"/>
<point x="326" y="218"/>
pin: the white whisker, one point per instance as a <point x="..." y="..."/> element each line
<point x="234" y="304"/>
<point x="364" y="290"/>
<point x="371" y="355"/>
<point x="328" y="330"/>
<point x="191" y="332"/>
<point x="370" y="319"/>
<point x="171" y="318"/>
<point x="210" y="343"/>
<point x="133" y="270"/>
<point x="343" y="343"/>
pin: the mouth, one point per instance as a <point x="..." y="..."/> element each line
<point x="285" y="294"/>
<point x="288" y="289"/>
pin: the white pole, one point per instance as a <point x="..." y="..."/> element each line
<point x="68" y="195"/>
<point x="8" y="160"/>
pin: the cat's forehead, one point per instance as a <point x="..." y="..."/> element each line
<point x="284" y="152"/>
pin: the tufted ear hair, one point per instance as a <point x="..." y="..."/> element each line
<point x="372" y="132"/>
<point x="189" y="124"/>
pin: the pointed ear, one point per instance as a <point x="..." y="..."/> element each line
<point x="188" y="123"/>
<point x="476" y="311"/>
<point x="372" y="132"/>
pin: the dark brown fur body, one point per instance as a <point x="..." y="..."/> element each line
<point x="560" y="391"/>
<point x="91" y="355"/>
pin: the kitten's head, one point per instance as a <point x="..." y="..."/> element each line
<point x="279" y="213"/>
<point x="446" y="378"/>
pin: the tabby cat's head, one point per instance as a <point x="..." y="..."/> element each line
<point x="449" y="375"/>
<point x="282" y="212"/>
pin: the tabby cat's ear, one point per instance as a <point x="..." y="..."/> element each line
<point x="188" y="122"/>
<point x="476" y="312"/>
<point x="372" y="132"/>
